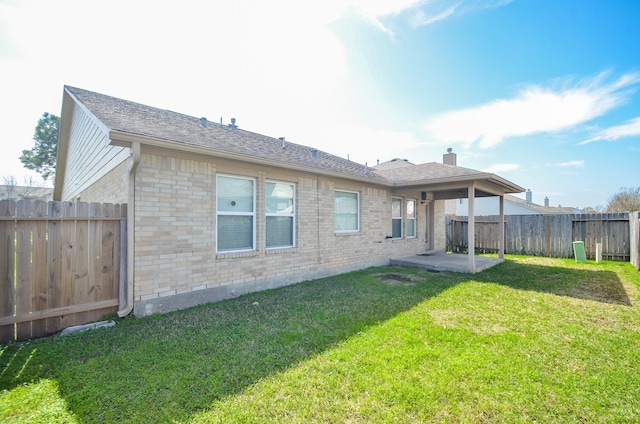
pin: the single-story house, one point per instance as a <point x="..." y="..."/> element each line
<point x="215" y="211"/>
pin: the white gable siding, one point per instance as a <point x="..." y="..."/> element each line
<point x="90" y="156"/>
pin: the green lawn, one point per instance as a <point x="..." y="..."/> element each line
<point x="530" y="340"/>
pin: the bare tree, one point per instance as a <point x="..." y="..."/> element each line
<point x="30" y="188"/>
<point x="594" y="209"/>
<point x="627" y="199"/>
<point x="8" y="190"/>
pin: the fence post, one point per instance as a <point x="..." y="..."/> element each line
<point x="634" y="238"/>
<point x="7" y="269"/>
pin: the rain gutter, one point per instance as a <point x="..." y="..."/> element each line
<point x="126" y="285"/>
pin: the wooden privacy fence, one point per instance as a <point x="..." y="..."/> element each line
<point x="60" y="265"/>
<point x="546" y="235"/>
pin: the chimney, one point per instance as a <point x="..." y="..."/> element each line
<point x="529" y="196"/>
<point x="449" y="158"/>
<point x="546" y="202"/>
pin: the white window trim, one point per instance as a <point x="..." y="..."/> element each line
<point x="400" y="218"/>
<point x="252" y="214"/>
<point x="293" y="214"/>
<point x="414" y="218"/>
<point x="357" y="230"/>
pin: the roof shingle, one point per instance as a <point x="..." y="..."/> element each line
<point x="138" y="120"/>
<point x="146" y="121"/>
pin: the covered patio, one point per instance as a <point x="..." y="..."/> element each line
<point x="443" y="182"/>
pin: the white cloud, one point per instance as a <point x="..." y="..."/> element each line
<point x="576" y="163"/>
<point x="273" y="65"/>
<point x="437" y="10"/>
<point x="417" y="12"/>
<point x="421" y="18"/>
<point x="502" y="167"/>
<point x="535" y="109"/>
<point x="629" y="129"/>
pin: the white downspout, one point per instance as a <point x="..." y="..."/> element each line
<point x="126" y="289"/>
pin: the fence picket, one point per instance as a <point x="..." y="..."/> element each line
<point x="24" y="269"/>
<point x="7" y="268"/>
<point x="95" y="281"/>
<point x="110" y="290"/>
<point x="39" y="261"/>
<point x="81" y="264"/>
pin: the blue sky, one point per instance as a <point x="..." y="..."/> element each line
<point x="543" y="93"/>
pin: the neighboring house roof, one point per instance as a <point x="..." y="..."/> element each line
<point x="540" y="208"/>
<point x="513" y="206"/>
<point x="15" y="192"/>
<point x="128" y="122"/>
<point x="392" y="164"/>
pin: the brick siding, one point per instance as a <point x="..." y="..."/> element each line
<point x="111" y="188"/>
<point x="176" y="264"/>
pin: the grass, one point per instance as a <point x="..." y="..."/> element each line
<point x="530" y="340"/>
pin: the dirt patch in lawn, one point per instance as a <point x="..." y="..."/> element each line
<point x="398" y="279"/>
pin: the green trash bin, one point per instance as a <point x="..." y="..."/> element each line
<point x="578" y="251"/>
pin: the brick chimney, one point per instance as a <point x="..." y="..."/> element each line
<point x="449" y="158"/>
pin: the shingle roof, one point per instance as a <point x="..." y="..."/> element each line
<point x="135" y="119"/>
<point x="406" y="172"/>
<point x="146" y="121"/>
<point x="393" y="163"/>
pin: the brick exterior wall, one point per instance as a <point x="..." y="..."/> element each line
<point x="111" y="188"/>
<point x="176" y="264"/>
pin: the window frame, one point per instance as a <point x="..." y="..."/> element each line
<point x="276" y="214"/>
<point x="357" y="229"/>
<point x="225" y="213"/>
<point x="412" y="218"/>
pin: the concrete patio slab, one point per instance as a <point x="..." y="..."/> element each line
<point x="439" y="262"/>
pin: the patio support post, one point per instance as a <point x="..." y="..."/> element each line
<point x="501" y="230"/>
<point x="471" y="251"/>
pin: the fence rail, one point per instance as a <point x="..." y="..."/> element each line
<point x="547" y="235"/>
<point x="60" y="265"/>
